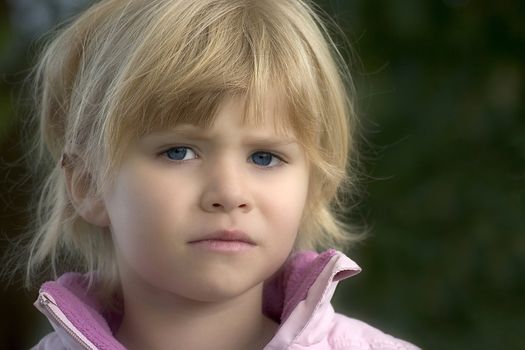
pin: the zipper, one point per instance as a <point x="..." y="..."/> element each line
<point x="47" y="302"/>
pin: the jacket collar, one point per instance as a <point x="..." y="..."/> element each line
<point x="304" y="289"/>
<point x="291" y="284"/>
<point x="297" y="297"/>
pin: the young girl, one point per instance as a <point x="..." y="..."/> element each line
<point x="201" y="150"/>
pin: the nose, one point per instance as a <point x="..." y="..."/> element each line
<point x="225" y="189"/>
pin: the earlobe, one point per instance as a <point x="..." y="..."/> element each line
<point x="94" y="212"/>
<point x="78" y="185"/>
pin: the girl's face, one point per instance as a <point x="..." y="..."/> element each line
<point x="180" y="186"/>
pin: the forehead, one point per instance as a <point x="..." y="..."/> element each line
<point x="268" y="117"/>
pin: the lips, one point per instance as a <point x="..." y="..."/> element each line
<point x="227" y="236"/>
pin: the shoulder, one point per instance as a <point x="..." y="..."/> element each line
<point x="57" y="340"/>
<point x="352" y="334"/>
<point x="50" y="341"/>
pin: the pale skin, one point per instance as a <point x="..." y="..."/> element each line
<point x="177" y="296"/>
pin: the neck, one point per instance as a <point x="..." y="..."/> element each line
<point x="178" y="323"/>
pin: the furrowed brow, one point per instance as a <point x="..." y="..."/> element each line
<point x="250" y="140"/>
<point x="272" y="141"/>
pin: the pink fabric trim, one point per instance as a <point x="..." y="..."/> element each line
<point x="69" y="292"/>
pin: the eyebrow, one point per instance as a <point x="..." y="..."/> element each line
<point x="203" y="135"/>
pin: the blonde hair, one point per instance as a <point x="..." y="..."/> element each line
<point x="124" y="68"/>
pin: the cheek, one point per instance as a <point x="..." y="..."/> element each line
<point x="284" y="205"/>
<point x="145" y="218"/>
<point x="132" y="204"/>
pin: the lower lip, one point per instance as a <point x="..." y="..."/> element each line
<point x="223" y="246"/>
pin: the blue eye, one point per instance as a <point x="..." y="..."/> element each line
<point x="178" y="153"/>
<point x="265" y="159"/>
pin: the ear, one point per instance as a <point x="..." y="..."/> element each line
<point x="78" y="184"/>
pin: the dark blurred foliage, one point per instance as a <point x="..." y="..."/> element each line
<point x="440" y="93"/>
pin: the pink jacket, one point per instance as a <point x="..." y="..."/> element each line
<point x="298" y="298"/>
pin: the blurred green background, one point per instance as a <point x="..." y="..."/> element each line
<point x="440" y="92"/>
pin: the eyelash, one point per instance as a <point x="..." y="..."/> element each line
<point x="280" y="158"/>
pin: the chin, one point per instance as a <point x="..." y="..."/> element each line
<point x="216" y="291"/>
